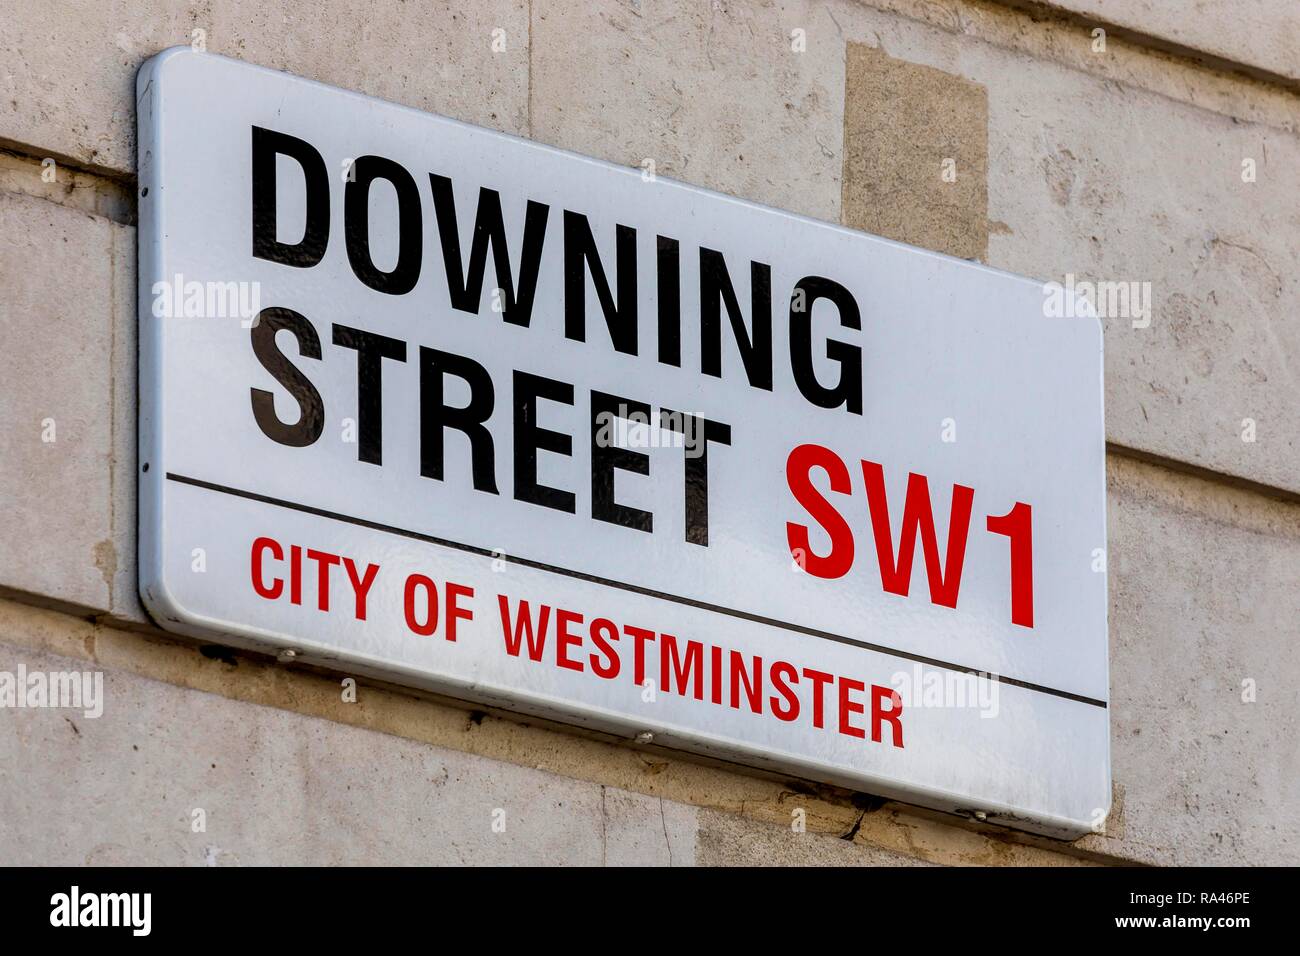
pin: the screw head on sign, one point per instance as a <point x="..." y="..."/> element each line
<point x="644" y="737"/>
<point x="981" y="816"/>
<point x="287" y="654"/>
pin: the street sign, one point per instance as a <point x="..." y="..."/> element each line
<point x="427" y="402"/>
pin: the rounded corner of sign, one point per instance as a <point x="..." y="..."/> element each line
<point x="1071" y="828"/>
<point x="1103" y="814"/>
<point x="163" y="607"/>
<point x="1095" y="826"/>
<point x="152" y="67"/>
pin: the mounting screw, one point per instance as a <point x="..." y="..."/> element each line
<point x="286" y="655"/>
<point x="981" y="816"/>
<point x="644" y="737"/>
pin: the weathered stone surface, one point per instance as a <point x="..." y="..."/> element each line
<point x="46" y="179"/>
<point x="59" y="268"/>
<point x="68" y="82"/>
<point x="915" y="154"/>
<point x="169" y="776"/>
<point x="1259" y="34"/>
<point x="722" y="95"/>
<point x="1205" y="662"/>
<point x="646" y="831"/>
<point x="726" y="840"/>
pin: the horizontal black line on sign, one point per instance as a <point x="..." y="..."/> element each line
<point x="623" y="586"/>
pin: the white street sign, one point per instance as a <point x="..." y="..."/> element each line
<point x="424" y="401"/>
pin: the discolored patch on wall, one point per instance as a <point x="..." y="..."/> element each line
<point x="915" y="154"/>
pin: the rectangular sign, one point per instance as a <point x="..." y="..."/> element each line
<point x="424" y="401"/>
